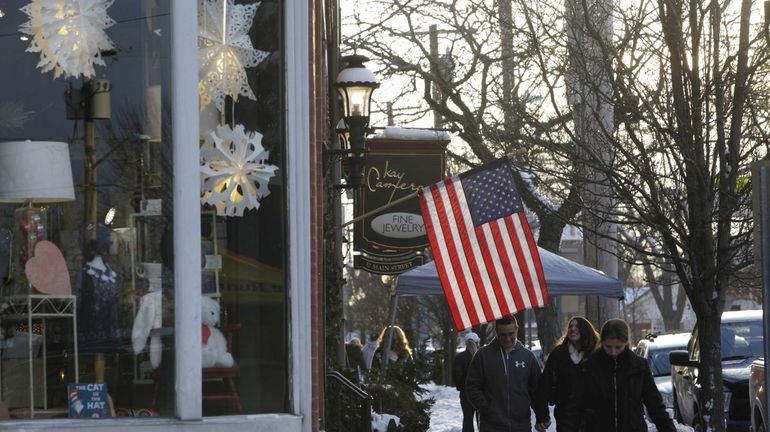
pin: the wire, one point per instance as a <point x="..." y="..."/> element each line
<point x="128" y="20"/>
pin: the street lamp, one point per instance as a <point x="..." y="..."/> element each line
<point x="355" y="85"/>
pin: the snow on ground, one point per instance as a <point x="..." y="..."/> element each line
<point x="447" y="416"/>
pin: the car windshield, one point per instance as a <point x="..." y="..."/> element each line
<point x="658" y="360"/>
<point x="742" y="340"/>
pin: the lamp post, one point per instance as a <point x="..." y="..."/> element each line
<point x="355" y="85"/>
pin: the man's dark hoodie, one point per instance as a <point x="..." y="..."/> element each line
<point x="503" y="386"/>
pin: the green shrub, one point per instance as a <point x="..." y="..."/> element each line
<point x="397" y="391"/>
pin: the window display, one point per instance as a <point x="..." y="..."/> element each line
<point x="87" y="286"/>
<point x="242" y="141"/>
<point x="85" y="146"/>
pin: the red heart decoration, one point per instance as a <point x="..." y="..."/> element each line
<point x="47" y="270"/>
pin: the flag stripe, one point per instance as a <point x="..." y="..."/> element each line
<point x="532" y="258"/>
<point x="500" y="282"/>
<point x="481" y="280"/>
<point x="459" y="263"/>
<point x="448" y="282"/>
<point x="462" y="297"/>
<point x="513" y="295"/>
<point x="520" y="275"/>
<point x="521" y="247"/>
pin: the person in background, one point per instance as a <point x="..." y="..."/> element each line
<point x="399" y="351"/>
<point x="369" y="349"/>
<point x="459" y="372"/>
<point x="502" y="382"/>
<point x="354" y="355"/>
<point x="561" y="383"/>
<point x="619" y="386"/>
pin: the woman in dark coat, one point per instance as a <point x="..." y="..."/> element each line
<point x="460" y="372"/>
<point x="618" y="387"/>
<point x="561" y="383"/>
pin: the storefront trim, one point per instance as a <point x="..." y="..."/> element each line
<point x="250" y="423"/>
<point x="187" y="247"/>
<point x="298" y="185"/>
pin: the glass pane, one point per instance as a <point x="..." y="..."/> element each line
<point x="247" y="275"/>
<point x="87" y="288"/>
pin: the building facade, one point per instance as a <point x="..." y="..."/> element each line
<point x="161" y="228"/>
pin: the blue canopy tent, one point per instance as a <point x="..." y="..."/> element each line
<point x="562" y="277"/>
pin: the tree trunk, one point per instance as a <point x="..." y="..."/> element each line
<point x="711" y="401"/>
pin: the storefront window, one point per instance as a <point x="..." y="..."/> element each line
<point x="242" y="108"/>
<point x="86" y="255"/>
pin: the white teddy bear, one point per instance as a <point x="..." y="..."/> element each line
<point x="214" y="344"/>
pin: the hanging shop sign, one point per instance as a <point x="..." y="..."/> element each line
<point x="391" y="241"/>
<point x="388" y="264"/>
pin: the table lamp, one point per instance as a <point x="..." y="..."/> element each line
<point x="33" y="172"/>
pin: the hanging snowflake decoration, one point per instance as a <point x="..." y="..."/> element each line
<point x="225" y="50"/>
<point x="68" y="34"/>
<point x="234" y="176"/>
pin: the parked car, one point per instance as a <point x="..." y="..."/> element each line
<point x="757" y="396"/>
<point x="537" y="350"/>
<point x="655" y="349"/>
<point x="742" y="343"/>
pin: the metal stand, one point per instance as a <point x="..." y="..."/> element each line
<point x="43" y="307"/>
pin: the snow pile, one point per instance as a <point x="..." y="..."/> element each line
<point x="447" y="416"/>
<point x="393" y="132"/>
<point x="380" y="422"/>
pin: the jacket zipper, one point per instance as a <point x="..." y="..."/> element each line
<point x="504" y="357"/>
<point x="615" y="392"/>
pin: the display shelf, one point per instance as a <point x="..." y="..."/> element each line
<point x="41" y="307"/>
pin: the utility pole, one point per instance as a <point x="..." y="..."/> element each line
<point x="590" y="92"/>
<point x="441" y="66"/>
<point x="506" y="51"/>
<point x="434" y="69"/>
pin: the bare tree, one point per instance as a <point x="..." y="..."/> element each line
<point x="493" y="96"/>
<point x="687" y="119"/>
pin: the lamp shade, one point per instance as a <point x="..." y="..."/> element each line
<point x="35" y="172"/>
<point x="355" y="85"/>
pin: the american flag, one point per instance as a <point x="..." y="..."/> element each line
<point x="484" y="251"/>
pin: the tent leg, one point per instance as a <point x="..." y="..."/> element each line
<point x="392" y="322"/>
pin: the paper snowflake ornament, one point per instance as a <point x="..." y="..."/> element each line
<point x="68" y="34"/>
<point x="225" y="50"/>
<point x="234" y="175"/>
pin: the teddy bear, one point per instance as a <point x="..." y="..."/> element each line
<point x="213" y="342"/>
<point x="148" y="318"/>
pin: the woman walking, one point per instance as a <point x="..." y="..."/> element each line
<point x="618" y="387"/>
<point x="561" y="383"/>
<point x="399" y="351"/>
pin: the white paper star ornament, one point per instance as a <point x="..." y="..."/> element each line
<point x="69" y="35"/>
<point x="234" y="176"/>
<point x="225" y="50"/>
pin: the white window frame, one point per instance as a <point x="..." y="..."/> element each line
<point x="187" y="248"/>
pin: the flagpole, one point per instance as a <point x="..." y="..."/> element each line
<point x="375" y="211"/>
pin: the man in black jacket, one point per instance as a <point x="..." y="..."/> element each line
<point x="502" y="383"/>
<point x="460" y="372"/>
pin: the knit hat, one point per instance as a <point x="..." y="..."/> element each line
<point x="472" y="336"/>
<point x="615" y="329"/>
